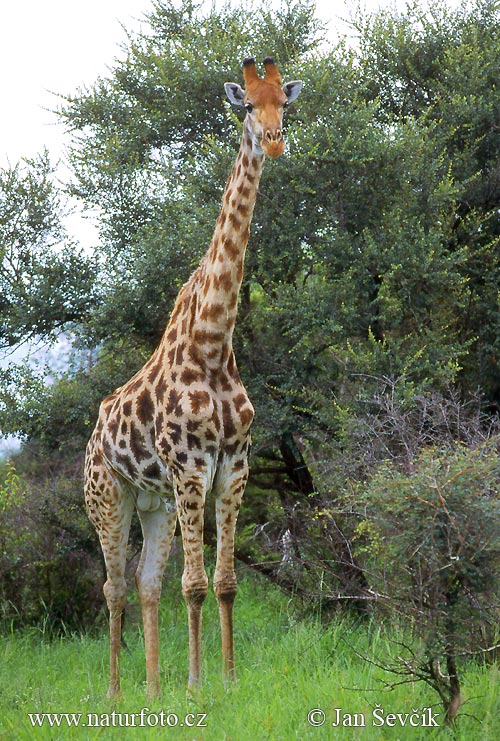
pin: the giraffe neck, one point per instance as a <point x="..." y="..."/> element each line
<point x="220" y="274"/>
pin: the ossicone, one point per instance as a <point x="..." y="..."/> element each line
<point x="250" y="73"/>
<point x="272" y="72"/>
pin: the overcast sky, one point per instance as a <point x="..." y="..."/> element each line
<point x="52" y="46"/>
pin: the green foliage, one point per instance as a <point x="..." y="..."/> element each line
<point x="48" y="574"/>
<point x="431" y="547"/>
<point x="437" y="70"/>
<point x="45" y="281"/>
<point x="11" y="490"/>
<point x="58" y="417"/>
<point x="144" y="149"/>
<point x="436" y="529"/>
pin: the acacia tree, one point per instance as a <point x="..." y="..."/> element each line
<point x="45" y="281"/>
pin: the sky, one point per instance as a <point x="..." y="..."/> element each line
<point x="48" y="47"/>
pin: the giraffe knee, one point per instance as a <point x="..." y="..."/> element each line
<point x="149" y="589"/>
<point x="225" y="586"/>
<point x="195" y="590"/>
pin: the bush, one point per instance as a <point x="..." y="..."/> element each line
<point x="50" y="572"/>
<point x="431" y="551"/>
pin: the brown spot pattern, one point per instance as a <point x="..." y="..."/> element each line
<point x="160" y="389"/>
<point x="208" y="336"/>
<point x="138" y="445"/>
<point x="212" y="312"/>
<point x="231" y="248"/>
<point x="224" y="281"/>
<point x="175" y="432"/>
<point x="227" y="420"/>
<point x="173" y="404"/>
<point x="199" y="400"/>
<point x="235" y="222"/>
<point x="190" y="376"/>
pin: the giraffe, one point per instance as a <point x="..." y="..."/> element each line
<point x="181" y="424"/>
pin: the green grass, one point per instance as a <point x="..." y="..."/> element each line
<point x="285" y="667"/>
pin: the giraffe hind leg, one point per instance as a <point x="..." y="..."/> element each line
<point x="190" y="491"/>
<point x="158" y="528"/>
<point x="110" y="508"/>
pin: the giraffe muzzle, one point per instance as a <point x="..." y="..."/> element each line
<point x="273" y="143"/>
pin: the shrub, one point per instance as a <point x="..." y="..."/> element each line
<point x="50" y="573"/>
<point x="430" y="546"/>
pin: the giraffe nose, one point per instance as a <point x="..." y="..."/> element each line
<point x="274" y="136"/>
<point x="273" y="143"/>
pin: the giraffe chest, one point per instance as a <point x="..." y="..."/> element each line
<point x="198" y="423"/>
<point x="161" y="430"/>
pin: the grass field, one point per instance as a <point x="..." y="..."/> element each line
<point x="286" y="668"/>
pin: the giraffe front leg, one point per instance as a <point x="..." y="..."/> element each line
<point x="190" y="491"/>
<point x="230" y="489"/>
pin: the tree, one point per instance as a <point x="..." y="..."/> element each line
<point x="433" y="551"/>
<point x="45" y="281"/>
<point x="437" y="70"/>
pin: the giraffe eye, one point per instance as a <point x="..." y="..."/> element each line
<point x="248" y="107"/>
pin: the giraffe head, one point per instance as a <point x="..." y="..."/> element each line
<point x="264" y="99"/>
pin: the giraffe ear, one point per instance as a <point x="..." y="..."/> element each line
<point x="292" y="90"/>
<point x="234" y="92"/>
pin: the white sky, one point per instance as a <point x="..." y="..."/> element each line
<point x="52" y="46"/>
